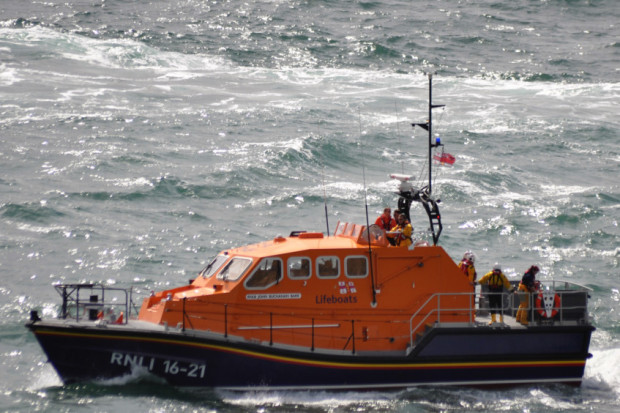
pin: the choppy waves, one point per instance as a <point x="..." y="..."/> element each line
<point x="138" y="142"/>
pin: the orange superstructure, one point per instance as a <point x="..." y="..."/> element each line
<point x="312" y="290"/>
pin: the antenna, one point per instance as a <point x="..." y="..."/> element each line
<point x="372" y="276"/>
<point x="323" y="179"/>
<point x="402" y="163"/>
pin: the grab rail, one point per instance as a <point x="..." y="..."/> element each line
<point x="94" y="302"/>
<point x="100" y="303"/>
<point x="432" y="310"/>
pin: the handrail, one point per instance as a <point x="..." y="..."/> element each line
<point x="568" y="284"/>
<point x="95" y="306"/>
<point x="432" y="308"/>
<point x="436" y="309"/>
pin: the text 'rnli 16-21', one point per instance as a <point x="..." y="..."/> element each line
<point x="167" y="366"/>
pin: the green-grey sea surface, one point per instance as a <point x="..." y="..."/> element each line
<point x="138" y="139"/>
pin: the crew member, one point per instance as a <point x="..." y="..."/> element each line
<point x="467" y="266"/>
<point x="496" y="281"/>
<point x="396" y="214"/>
<point x="401" y="233"/>
<point x="526" y="287"/>
<point x="385" y="220"/>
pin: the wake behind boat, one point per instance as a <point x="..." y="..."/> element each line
<point x="312" y="311"/>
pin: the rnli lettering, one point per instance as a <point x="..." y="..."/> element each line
<point x="172" y="367"/>
<point x="332" y="299"/>
<point x="132" y="360"/>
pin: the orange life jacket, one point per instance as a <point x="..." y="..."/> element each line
<point x="386" y="225"/>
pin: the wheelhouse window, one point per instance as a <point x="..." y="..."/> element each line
<point x="298" y="268"/>
<point x="267" y="273"/>
<point x="328" y="267"/>
<point x="213" y="266"/>
<point x="356" y="266"/>
<point x="234" y="269"/>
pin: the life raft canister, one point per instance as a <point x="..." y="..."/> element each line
<point x="547" y="303"/>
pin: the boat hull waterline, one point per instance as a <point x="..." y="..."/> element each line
<point x="453" y="356"/>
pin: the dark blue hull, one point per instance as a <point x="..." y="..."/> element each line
<point x="445" y="356"/>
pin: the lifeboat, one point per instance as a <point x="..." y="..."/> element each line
<point x="310" y="310"/>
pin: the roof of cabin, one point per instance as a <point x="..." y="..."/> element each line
<point x="290" y="245"/>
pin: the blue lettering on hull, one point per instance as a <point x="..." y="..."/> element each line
<point x="333" y="299"/>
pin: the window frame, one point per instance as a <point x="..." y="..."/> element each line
<point x="346" y="271"/>
<point x="230" y="262"/>
<point x="210" y="268"/>
<point x="327" y="277"/>
<point x="288" y="268"/>
<point x="258" y="268"/>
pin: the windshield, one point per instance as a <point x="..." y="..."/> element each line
<point x="213" y="266"/>
<point x="267" y="273"/>
<point x="234" y="269"/>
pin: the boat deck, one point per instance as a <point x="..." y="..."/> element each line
<point x="509" y="322"/>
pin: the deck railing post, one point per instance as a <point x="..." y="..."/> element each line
<point x="501" y="309"/>
<point x="561" y="309"/>
<point x="183" y="321"/>
<point x="128" y="302"/>
<point x="77" y="304"/>
<point x="102" y="296"/>
<point x="410" y="333"/>
<point x="439" y="309"/>
<point x="64" y="302"/>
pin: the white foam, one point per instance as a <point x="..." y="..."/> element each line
<point x="114" y="53"/>
<point x="602" y="370"/>
<point x="8" y="75"/>
<point x="45" y="377"/>
<point x="138" y="373"/>
<point x="317" y="399"/>
<point x="131" y="182"/>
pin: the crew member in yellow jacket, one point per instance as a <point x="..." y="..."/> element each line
<point x="526" y="287"/>
<point x="401" y="233"/>
<point x="467" y="266"/>
<point x="496" y="281"/>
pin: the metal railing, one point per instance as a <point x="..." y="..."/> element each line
<point x="439" y="308"/>
<point x="570" y="305"/>
<point x="95" y="302"/>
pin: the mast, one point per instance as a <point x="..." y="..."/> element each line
<point x="430" y="133"/>
<point x="407" y="192"/>
<point x="429" y="127"/>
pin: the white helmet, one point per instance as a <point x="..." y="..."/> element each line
<point x="497" y="267"/>
<point x="469" y="256"/>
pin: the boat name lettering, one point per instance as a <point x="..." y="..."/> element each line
<point x="332" y="299"/>
<point x="173" y="367"/>
<point x="282" y="296"/>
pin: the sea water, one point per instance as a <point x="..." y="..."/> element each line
<point x="138" y="139"/>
